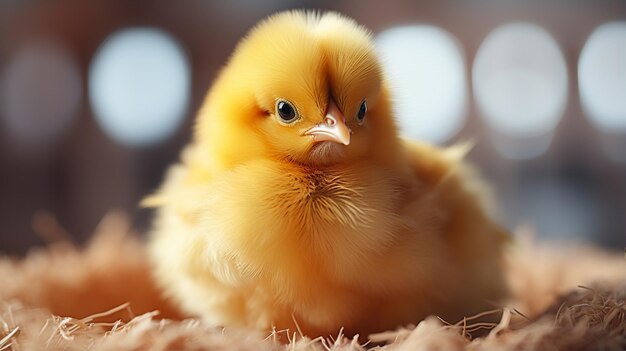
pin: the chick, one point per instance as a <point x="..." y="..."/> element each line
<point x="297" y="205"/>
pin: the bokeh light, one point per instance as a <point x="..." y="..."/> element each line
<point x="426" y="69"/>
<point x="520" y="86"/>
<point x="602" y="76"/>
<point x="40" y="94"/>
<point x="602" y="85"/>
<point x="139" y="85"/>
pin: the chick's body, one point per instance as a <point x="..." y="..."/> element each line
<point x="297" y="202"/>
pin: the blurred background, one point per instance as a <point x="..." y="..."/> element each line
<point x="97" y="98"/>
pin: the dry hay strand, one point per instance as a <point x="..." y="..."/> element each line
<point x="587" y="319"/>
<point x="51" y="300"/>
<point x="68" y="280"/>
<point x="597" y="314"/>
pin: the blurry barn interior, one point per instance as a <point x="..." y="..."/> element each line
<point x="97" y="98"/>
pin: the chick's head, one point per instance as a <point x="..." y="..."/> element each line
<point x="301" y="87"/>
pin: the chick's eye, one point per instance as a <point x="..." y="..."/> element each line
<point x="360" y="117"/>
<point x="286" y="112"/>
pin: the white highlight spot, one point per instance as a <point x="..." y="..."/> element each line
<point x="520" y="85"/>
<point x="426" y="69"/>
<point x="602" y="77"/>
<point x="139" y="86"/>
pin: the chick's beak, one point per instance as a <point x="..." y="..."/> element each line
<point x="333" y="128"/>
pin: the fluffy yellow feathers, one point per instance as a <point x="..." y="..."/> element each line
<point x="297" y="201"/>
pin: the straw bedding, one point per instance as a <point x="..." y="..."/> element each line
<point x="102" y="298"/>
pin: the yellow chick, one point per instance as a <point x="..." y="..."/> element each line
<point x="297" y="204"/>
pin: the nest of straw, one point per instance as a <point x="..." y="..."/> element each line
<point x="101" y="297"/>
